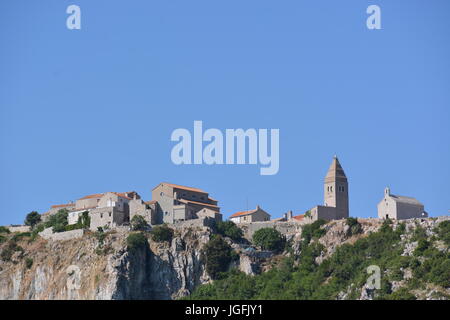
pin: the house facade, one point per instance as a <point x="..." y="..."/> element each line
<point x="400" y="207"/>
<point x="180" y="203"/>
<point x="249" y="216"/>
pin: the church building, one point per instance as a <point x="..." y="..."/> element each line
<point x="335" y="189"/>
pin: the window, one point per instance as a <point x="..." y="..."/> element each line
<point x="162" y="194"/>
<point x="110" y="214"/>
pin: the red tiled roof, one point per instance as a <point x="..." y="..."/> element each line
<point x="63" y="205"/>
<point x="150" y="202"/>
<point x="242" y="213"/>
<point x="92" y="196"/>
<point x="177" y="186"/>
<point x="300" y="217"/>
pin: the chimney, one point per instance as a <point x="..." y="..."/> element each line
<point x="258" y="207"/>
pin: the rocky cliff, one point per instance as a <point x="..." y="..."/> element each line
<point x="93" y="268"/>
<point x="103" y="267"/>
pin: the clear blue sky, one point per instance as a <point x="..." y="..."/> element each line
<point x="92" y="110"/>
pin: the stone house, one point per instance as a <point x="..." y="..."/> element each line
<point x="255" y="215"/>
<point x="145" y="209"/>
<point x="208" y="213"/>
<point x="336" y="204"/>
<point x="106" y="210"/>
<point x="180" y="203"/>
<point x="400" y="207"/>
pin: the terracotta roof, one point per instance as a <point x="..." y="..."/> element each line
<point x="199" y="203"/>
<point x="123" y="195"/>
<point x="63" y="205"/>
<point x="300" y="217"/>
<point x="92" y="196"/>
<point x="150" y="202"/>
<point x="242" y="213"/>
<point x="177" y="186"/>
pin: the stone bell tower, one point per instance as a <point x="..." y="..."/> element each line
<point x="335" y="191"/>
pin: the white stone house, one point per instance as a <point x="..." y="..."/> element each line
<point x="254" y="215"/>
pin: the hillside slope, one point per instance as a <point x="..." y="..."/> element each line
<point x="323" y="261"/>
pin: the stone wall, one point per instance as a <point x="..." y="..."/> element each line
<point x="284" y="227"/>
<point x="48" y="234"/>
<point x="201" y="222"/>
<point x="18" y="228"/>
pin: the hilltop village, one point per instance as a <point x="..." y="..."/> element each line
<point x="188" y="206"/>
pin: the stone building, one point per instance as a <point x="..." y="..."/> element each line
<point x="335" y="189"/>
<point x="255" y="215"/>
<point x="400" y="207"/>
<point x="145" y="209"/>
<point x="180" y="203"/>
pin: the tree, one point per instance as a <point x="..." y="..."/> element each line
<point x="229" y="229"/>
<point x="58" y="221"/>
<point x="138" y="223"/>
<point x="269" y="239"/>
<point x="32" y="219"/>
<point x="218" y="256"/>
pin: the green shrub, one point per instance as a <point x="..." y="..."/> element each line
<point x="58" y="221"/>
<point x="20" y="236"/>
<point x="443" y="231"/>
<point x="136" y="241"/>
<point x="37" y="228"/>
<point x="217" y="253"/>
<point x="421" y="247"/>
<point x="313" y="230"/>
<point x="32" y="219"/>
<point x="84" y="220"/>
<point x="28" y="263"/>
<point x="162" y="233"/>
<point x="4" y="230"/>
<point x="138" y="223"/>
<point x="269" y="239"/>
<point x="9" y="250"/>
<point x="229" y="229"/>
<point x="2" y="238"/>
<point x="402" y="294"/>
<point x="354" y="226"/>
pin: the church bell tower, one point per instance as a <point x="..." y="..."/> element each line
<point x="336" y="189"/>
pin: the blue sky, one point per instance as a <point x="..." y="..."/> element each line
<point x="92" y="110"/>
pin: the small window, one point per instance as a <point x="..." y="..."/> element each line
<point x="162" y="194"/>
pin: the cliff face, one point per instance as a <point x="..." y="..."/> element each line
<point x="97" y="268"/>
<point x="87" y="269"/>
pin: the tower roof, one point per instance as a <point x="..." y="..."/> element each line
<point x="335" y="172"/>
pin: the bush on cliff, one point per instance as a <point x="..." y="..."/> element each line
<point x="58" y="221"/>
<point x="217" y="253"/>
<point x="269" y="239"/>
<point x="136" y="241"/>
<point x="313" y="230"/>
<point x="162" y="233"/>
<point x="4" y="230"/>
<point x="138" y="223"/>
<point x="443" y="231"/>
<point x="354" y="226"/>
<point x="306" y="279"/>
<point x="229" y="229"/>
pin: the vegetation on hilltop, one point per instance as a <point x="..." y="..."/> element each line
<point x="343" y="274"/>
